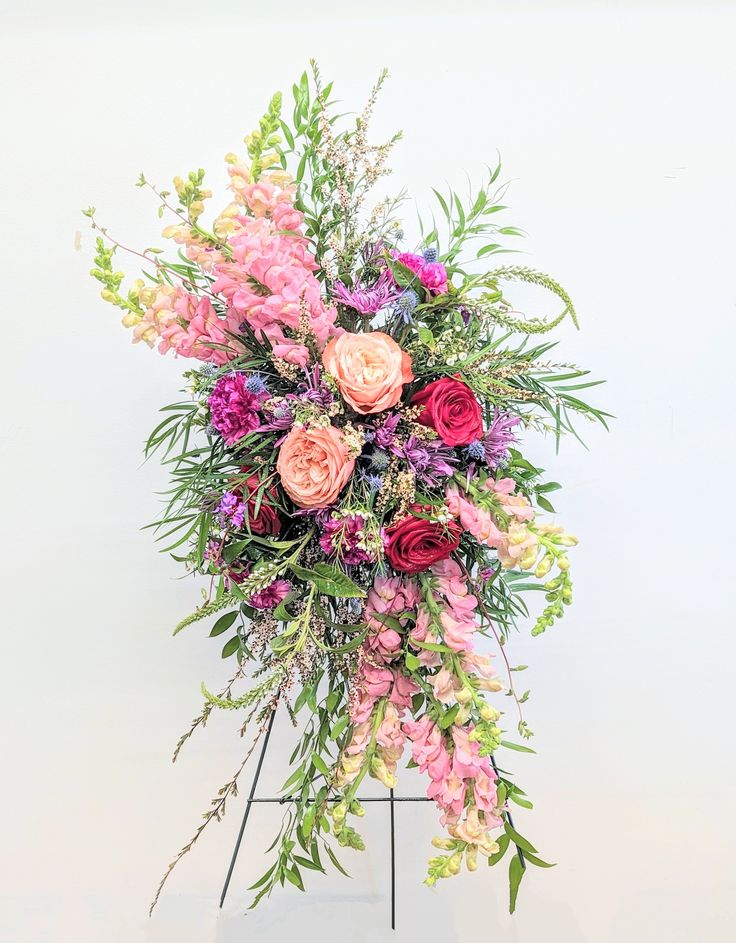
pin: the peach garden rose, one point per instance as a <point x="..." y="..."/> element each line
<point x="369" y="369"/>
<point x="314" y="465"/>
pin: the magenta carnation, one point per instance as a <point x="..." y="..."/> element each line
<point x="233" y="408"/>
<point x="433" y="275"/>
<point x="271" y="596"/>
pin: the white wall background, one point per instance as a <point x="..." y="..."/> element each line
<point x="616" y="122"/>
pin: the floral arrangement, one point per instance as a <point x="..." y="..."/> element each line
<point x="346" y="474"/>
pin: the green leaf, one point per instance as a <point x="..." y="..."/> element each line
<point x="431" y="646"/>
<point x="520" y="800"/>
<point x="262" y="880"/>
<point x="516" y="873"/>
<point x="503" y="843"/>
<point x="307" y="863"/>
<point x="231" y="646"/>
<point x="328" y="580"/>
<point x="339" y="726"/>
<point x="448" y="717"/>
<point x="301" y="699"/>
<point x="281" y="613"/>
<point x="518" y="839"/>
<point x="294" y="877"/>
<point x="533" y="859"/>
<point x="293" y="779"/>
<point x="223" y="623"/>
<point x="320" y="764"/>
<point x="549" y="486"/>
<point x="411" y="661"/>
<point x="545" y="504"/>
<point x="333" y="859"/>
<point x="516" y="746"/>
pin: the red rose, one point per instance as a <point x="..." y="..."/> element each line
<point x="415" y="543"/>
<point x="267" y="520"/>
<point x="451" y="409"/>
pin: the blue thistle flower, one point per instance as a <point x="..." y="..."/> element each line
<point x="379" y="459"/>
<point x="374" y="482"/>
<point x="430" y="254"/>
<point x="208" y="370"/>
<point x="476" y="450"/>
<point x="405" y="305"/>
<point x="355" y="607"/>
<point x="255" y="384"/>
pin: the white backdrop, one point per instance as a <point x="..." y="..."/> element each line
<point x="615" y="122"/>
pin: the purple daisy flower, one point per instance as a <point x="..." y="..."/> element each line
<point x="499" y="437"/>
<point x="429" y="460"/>
<point x="386" y="432"/>
<point x="367" y="299"/>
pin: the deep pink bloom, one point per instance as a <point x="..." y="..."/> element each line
<point x="271" y="596"/>
<point x="233" y="408"/>
<point x="411" y="260"/>
<point x="433" y="275"/>
<point x="342" y="536"/>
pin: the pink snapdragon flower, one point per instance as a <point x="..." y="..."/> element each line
<point x="269" y="282"/>
<point x="515" y="505"/>
<point x="389" y="597"/>
<point x="297" y="354"/>
<point x="444" y="684"/>
<point x="473" y="519"/>
<point x="459" y="616"/>
<point x="195" y="330"/>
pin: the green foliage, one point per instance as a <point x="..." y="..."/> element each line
<point x="111" y="279"/>
<point x="304" y="653"/>
<point x="264" y="144"/>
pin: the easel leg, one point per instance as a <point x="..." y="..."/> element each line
<point x="393" y="861"/>
<point x="247" y="808"/>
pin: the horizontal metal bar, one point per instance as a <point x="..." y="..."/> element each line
<point x="281" y="801"/>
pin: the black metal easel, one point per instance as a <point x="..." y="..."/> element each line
<point x="391" y="799"/>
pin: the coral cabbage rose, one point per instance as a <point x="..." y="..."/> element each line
<point x="314" y="465"/>
<point x="369" y="370"/>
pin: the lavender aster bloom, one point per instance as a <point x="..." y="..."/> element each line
<point x="314" y="390"/>
<point x="499" y="437"/>
<point x="405" y="305"/>
<point x="429" y="460"/>
<point x="278" y="418"/>
<point x="367" y="299"/>
<point x="386" y="432"/>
